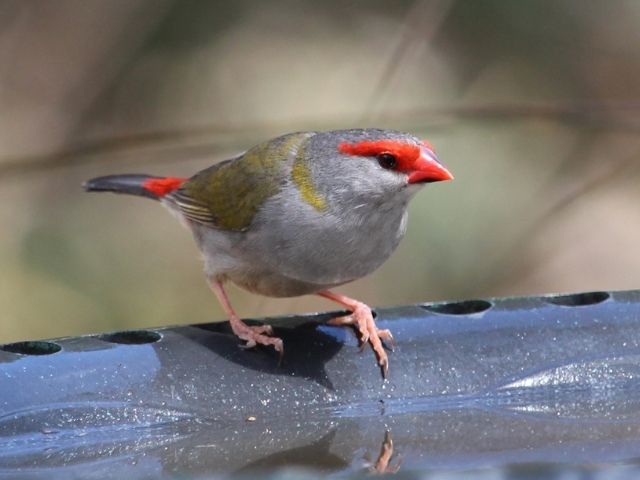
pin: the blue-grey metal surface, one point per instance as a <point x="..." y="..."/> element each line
<point x="472" y="384"/>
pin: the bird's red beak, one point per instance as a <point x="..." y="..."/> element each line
<point x="426" y="168"/>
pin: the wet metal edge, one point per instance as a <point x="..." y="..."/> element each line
<point x="474" y="383"/>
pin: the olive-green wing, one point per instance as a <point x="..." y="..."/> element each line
<point x="229" y="194"/>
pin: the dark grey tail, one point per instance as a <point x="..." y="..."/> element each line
<point x="132" y="184"/>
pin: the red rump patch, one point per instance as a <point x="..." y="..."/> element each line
<point x="406" y="153"/>
<point x="162" y="186"/>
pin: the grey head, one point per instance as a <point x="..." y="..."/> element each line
<point x="373" y="166"/>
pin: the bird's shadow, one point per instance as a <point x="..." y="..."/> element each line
<point x="308" y="345"/>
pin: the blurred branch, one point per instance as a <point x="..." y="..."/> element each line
<point x="510" y="265"/>
<point x="169" y="145"/>
<point x="422" y="22"/>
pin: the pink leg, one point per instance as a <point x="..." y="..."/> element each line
<point x="258" y="335"/>
<point x="362" y="318"/>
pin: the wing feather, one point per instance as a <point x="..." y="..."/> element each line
<point x="228" y="195"/>
<point x="192" y="209"/>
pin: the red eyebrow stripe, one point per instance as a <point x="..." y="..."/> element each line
<point x="403" y="151"/>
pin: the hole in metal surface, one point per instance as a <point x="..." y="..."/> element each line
<point x="466" y="307"/>
<point x="132" y="337"/>
<point x="578" y="299"/>
<point x="32" y="348"/>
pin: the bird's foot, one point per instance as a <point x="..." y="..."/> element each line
<point x="253" y="335"/>
<point x="362" y="318"/>
<point x="256" y="335"/>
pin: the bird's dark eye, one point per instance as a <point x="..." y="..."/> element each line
<point x="387" y="161"/>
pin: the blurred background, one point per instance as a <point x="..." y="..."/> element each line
<point x="533" y="105"/>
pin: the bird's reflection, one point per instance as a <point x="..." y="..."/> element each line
<point x="383" y="463"/>
<point x="318" y="456"/>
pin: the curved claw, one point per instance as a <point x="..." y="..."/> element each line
<point x="384" y="366"/>
<point x="387" y="337"/>
<point x="362" y="319"/>
<point x="257" y="335"/>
